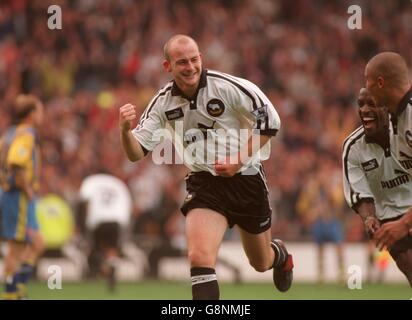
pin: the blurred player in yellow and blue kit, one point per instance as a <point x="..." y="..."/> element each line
<point x="20" y="173"/>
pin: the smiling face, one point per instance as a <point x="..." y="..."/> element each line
<point x="374" y="118"/>
<point x="184" y="62"/>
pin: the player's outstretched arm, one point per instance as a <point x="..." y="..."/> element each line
<point x="133" y="149"/>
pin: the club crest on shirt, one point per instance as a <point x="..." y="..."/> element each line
<point x="215" y="107"/>
<point x="174" y="114"/>
<point x="370" y="165"/>
<point x="408" y="138"/>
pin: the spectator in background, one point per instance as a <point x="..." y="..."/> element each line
<point x="320" y="204"/>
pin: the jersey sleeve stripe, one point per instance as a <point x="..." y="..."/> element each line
<point x="235" y="79"/>
<point x="145" y="114"/>
<point x="347" y="145"/>
<point x="241" y="87"/>
<point x="351" y="135"/>
<point x="347" y="149"/>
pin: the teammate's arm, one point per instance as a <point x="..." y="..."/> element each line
<point x="393" y="231"/>
<point x="133" y="149"/>
<point x="407" y="220"/>
<point x="366" y="210"/>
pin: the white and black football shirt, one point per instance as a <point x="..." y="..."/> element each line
<point x="372" y="172"/>
<point x="211" y="125"/>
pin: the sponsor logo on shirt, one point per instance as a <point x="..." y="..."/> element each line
<point x="370" y="165"/>
<point x="395" y="182"/>
<point x="174" y="114"/>
<point x="407" y="164"/>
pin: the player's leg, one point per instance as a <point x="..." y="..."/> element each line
<point x="110" y="247"/>
<point x="404" y="262"/>
<point x="32" y="252"/>
<point x="14" y="229"/>
<point x="401" y="252"/>
<point x="205" y="229"/>
<point x="264" y="254"/>
<point x="12" y="263"/>
<point x="258" y="249"/>
<point x="95" y="256"/>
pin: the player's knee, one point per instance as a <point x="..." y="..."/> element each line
<point x="200" y="258"/>
<point x="38" y="245"/>
<point x="39" y="249"/>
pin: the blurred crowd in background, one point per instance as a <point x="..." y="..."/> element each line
<point x="300" y="53"/>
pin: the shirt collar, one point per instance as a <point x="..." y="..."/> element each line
<point x="407" y="98"/>
<point x="202" y="83"/>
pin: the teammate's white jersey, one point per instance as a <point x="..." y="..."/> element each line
<point x="402" y="127"/>
<point x="370" y="172"/>
<point x="109" y="200"/>
<point x="210" y="122"/>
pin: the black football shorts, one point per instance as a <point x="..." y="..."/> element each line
<point x="106" y="235"/>
<point x="242" y="199"/>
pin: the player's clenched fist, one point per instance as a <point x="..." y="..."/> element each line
<point x="127" y="114"/>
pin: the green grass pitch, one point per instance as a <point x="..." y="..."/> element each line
<point x="163" y="290"/>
